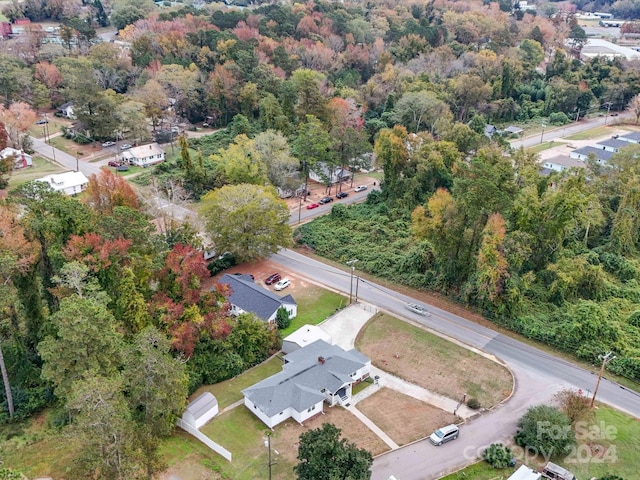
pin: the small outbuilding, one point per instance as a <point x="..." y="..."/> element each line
<point x="305" y="335"/>
<point x="525" y="473"/>
<point x="201" y="410"/>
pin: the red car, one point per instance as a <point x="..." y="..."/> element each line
<point x="312" y="206"/>
<point x="113" y="163"/>
<point x="273" y="278"/>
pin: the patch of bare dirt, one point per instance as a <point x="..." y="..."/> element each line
<point x="433" y="363"/>
<point x="353" y="429"/>
<point x="188" y="469"/>
<point x="405" y="419"/>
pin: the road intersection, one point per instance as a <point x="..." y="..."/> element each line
<point x="538" y="375"/>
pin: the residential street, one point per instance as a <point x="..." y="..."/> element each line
<point x="539" y="375"/>
<point x="552" y="133"/>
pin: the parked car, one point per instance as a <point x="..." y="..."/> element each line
<point x="444" y="435"/>
<point x="125" y="146"/>
<point x="552" y="471"/>
<point x="273" y="278"/>
<point x="282" y="284"/>
<point x="311" y="206"/>
<point x="326" y="200"/>
<point x="419" y="309"/>
<point x="108" y="144"/>
<point x="342" y="195"/>
<point x="114" y="163"/>
<point x="240" y="273"/>
<point x="360" y="188"/>
<point x="42" y="121"/>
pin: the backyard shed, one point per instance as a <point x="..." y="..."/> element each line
<point x="525" y="473"/>
<point x="201" y="410"/>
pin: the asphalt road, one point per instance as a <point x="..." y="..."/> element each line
<point x="553" y="133"/>
<point x="538" y="376"/>
<point x="300" y="214"/>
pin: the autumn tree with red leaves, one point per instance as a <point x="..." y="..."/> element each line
<point x="17" y="254"/>
<point x="106" y="191"/>
<point x="182" y="305"/>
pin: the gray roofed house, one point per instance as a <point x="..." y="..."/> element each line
<point x="512" y="129"/>
<point x="631" y="137"/>
<point x="560" y="163"/>
<point x="321" y="174"/>
<point x="310" y="376"/>
<point x="247" y="296"/>
<point x="612" y="144"/>
<point x="201" y="410"/>
<point x="602" y="156"/>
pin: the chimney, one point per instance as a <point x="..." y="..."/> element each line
<point x="321" y="360"/>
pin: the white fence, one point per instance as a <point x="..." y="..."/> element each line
<point x="219" y="449"/>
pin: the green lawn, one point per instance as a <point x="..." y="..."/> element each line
<point x="545" y="146"/>
<point x="480" y="471"/>
<point x="240" y="432"/>
<point x="621" y="457"/>
<point x="40" y="168"/>
<point x="228" y="391"/>
<point x="589" y="134"/>
<point x="315" y="305"/>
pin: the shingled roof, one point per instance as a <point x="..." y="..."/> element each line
<point x="248" y="296"/>
<point x="306" y="374"/>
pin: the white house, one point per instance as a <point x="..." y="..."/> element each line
<point x="248" y="297"/>
<point x="305" y="335"/>
<point x="322" y="174"/>
<point x="596" y="47"/>
<point x="561" y="163"/>
<point x="631" y="137"/>
<point x="311" y="376"/>
<point x="201" y="410"/>
<point x="66" y="110"/>
<point x="525" y="473"/>
<point x="21" y="159"/>
<point x="601" y="155"/>
<point x="612" y="144"/>
<point x="69" y="183"/>
<point x="144" y="155"/>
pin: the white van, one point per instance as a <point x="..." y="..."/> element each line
<point x="444" y="435"/>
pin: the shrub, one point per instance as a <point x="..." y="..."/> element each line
<point x="574" y="405"/>
<point x="473" y="404"/>
<point x="545" y="430"/>
<point x="558" y="118"/>
<point x="282" y="318"/>
<point x="498" y="456"/>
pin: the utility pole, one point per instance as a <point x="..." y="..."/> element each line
<point x="267" y="444"/>
<point x="304" y="194"/>
<point x="578" y="116"/>
<point x="608" y="109"/>
<point x="606" y="358"/>
<point x="352" y="264"/>
<point x="542" y="134"/>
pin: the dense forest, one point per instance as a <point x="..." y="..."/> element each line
<point x="554" y="258"/>
<point x="96" y="300"/>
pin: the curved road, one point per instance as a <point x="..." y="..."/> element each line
<point x="538" y="376"/>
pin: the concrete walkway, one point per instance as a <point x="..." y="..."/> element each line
<point x="373" y="427"/>
<point x="232" y="406"/>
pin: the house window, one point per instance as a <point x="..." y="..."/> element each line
<point x="255" y="407"/>
<point x="311" y="409"/>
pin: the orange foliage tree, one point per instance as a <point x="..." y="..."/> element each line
<point x="107" y="191"/>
